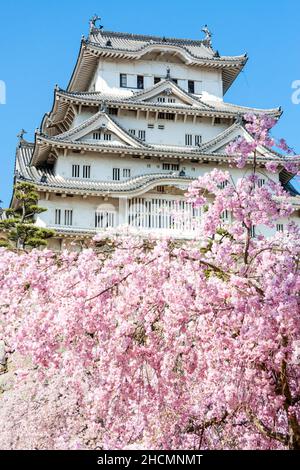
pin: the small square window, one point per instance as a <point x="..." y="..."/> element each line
<point x="126" y="172"/>
<point x="279" y="228"/>
<point x="261" y="182"/>
<point x="97" y="135"/>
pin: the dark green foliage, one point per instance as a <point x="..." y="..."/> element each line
<point x="18" y="228"/>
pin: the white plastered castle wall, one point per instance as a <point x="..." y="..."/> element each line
<point x="107" y="77"/>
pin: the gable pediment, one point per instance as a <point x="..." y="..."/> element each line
<point x="219" y="144"/>
<point x="167" y="90"/>
<point x="100" y="129"/>
<point x="167" y="97"/>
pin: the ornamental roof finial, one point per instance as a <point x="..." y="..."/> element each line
<point x="21" y="134"/>
<point x="103" y="107"/>
<point x="93" y="22"/>
<point x="208" y="35"/>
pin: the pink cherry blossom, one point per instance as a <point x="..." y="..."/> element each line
<point x="155" y="344"/>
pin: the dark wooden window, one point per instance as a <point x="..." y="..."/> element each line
<point x="113" y="111"/>
<point x="168" y="116"/>
<point x="191" y="86"/>
<point x="140" y="82"/>
<point x="123" y="80"/>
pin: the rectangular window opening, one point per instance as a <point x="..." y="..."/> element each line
<point x="191" y="86"/>
<point x="86" y="171"/>
<point x="75" y="171"/>
<point x="140" y="82"/>
<point x="123" y="80"/>
<point x="57" y="216"/>
<point x="116" y="174"/>
<point x="68" y="217"/>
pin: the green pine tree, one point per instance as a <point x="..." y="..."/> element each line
<point x="18" y="225"/>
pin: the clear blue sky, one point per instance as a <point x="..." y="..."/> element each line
<point x="40" y="42"/>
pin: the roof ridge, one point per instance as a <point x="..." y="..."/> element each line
<point x="145" y="37"/>
<point x="182" y="45"/>
<point x="25" y="143"/>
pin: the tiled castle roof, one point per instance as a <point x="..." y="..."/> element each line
<point x="136" y="42"/>
<point x="134" y="46"/>
<point x="214" y="106"/>
<point x="24" y="171"/>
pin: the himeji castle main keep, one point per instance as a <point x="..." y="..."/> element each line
<point x="142" y="116"/>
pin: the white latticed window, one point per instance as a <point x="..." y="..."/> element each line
<point x="86" y="171"/>
<point x="163" y="214"/>
<point x="198" y="140"/>
<point x="105" y="219"/>
<point x="57" y="216"/>
<point x="68" y="220"/>
<point x="116" y="174"/>
<point x="188" y="139"/>
<point x="223" y="184"/>
<point x="126" y="172"/>
<point x="279" y="227"/>
<point x="225" y="216"/>
<point x="261" y="182"/>
<point x="97" y="135"/>
<point x="75" y="171"/>
<point x="171" y="166"/>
